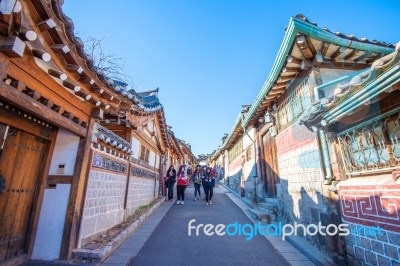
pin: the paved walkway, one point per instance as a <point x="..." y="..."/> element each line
<point x="164" y="240"/>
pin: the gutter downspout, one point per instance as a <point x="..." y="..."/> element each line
<point x="326" y="159"/>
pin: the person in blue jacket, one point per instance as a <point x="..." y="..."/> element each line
<point x="208" y="185"/>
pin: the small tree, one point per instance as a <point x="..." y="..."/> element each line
<point x="113" y="66"/>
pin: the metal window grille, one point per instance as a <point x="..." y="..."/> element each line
<point x="373" y="146"/>
<point x="294" y="104"/>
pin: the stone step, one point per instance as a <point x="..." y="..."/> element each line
<point x="264" y="216"/>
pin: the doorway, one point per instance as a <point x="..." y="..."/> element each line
<point x="22" y="158"/>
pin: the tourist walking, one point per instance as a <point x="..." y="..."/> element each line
<point x="181" y="184"/>
<point x="171" y="179"/>
<point x="208" y="185"/>
<point x="197" y="178"/>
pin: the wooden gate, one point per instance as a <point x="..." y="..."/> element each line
<point x="21" y="160"/>
<point x="271" y="165"/>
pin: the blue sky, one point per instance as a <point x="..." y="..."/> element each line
<point x="209" y="57"/>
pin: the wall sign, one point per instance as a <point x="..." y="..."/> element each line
<point x="108" y="164"/>
<point x="142" y="173"/>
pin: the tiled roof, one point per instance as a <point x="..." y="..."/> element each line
<point x="344" y="89"/>
<point x="349" y="36"/>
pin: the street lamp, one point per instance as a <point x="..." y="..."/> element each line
<point x="268" y="118"/>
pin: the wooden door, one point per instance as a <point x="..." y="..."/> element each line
<point x="270" y="165"/>
<point x="21" y="160"/>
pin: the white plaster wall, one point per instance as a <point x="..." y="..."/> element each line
<point x="55" y="201"/>
<point x="51" y="223"/>
<point x="150" y="126"/>
<point x="246" y="140"/>
<point x="147" y="132"/>
<point x="65" y="151"/>
<point x="152" y="158"/>
<point x="157" y="161"/>
<point x="135" y="148"/>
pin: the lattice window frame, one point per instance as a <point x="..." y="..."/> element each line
<point x="372" y="146"/>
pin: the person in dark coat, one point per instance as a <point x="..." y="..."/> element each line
<point x="171" y="179"/>
<point x="208" y="185"/>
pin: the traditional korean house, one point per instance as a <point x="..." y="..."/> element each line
<point x="188" y="157"/>
<point x="78" y="151"/>
<point x="175" y="156"/>
<point x="361" y="117"/>
<point x="293" y="167"/>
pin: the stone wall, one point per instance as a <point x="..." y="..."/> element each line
<point x="372" y="212"/>
<point x="140" y="192"/>
<point x="104" y="203"/>
<point x="301" y="178"/>
<point x="366" y="246"/>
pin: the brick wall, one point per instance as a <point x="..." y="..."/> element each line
<point x="366" y="247"/>
<point x="370" y="206"/>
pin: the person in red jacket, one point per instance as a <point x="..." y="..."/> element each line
<point x="181" y="184"/>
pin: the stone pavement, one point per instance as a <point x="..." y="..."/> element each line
<point x="131" y="247"/>
<point x="163" y="239"/>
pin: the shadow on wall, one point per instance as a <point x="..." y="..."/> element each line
<point x="233" y="181"/>
<point x="310" y="207"/>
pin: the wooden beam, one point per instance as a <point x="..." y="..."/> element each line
<point x="306" y="48"/>
<point x="58" y="109"/>
<point x="28" y="35"/>
<point x="342" y="65"/>
<point x="59" y="179"/>
<point x="47" y="102"/>
<point x="83" y="95"/>
<point x="41" y="55"/>
<point x="350" y="55"/>
<point x="39" y="109"/>
<point x="74" y="68"/>
<point x="17" y="18"/>
<point x="286" y="78"/>
<point x="325" y="48"/>
<point x="71" y="86"/>
<point x="335" y="53"/>
<point x="60" y="48"/>
<point x="12" y="47"/>
<point x="34" y="94"/>
<point x="279" y="86"/>
<point x="97" y="113"/>
<point x="57" y="74"/>
<point x="362" y="57"/>
<point x="46" y="25"/>
<point x="19" y="85"/>
<point x="68" y="115"/>
<point x="294" y="60"/>
<point x="77" y="194"/>
<point x="290" y="70"/>
<point x="86" y="80"/>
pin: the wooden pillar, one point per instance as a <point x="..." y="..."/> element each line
<point x="77" y="194"/>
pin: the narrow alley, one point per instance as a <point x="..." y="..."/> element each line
<point x="175" y="247"/>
